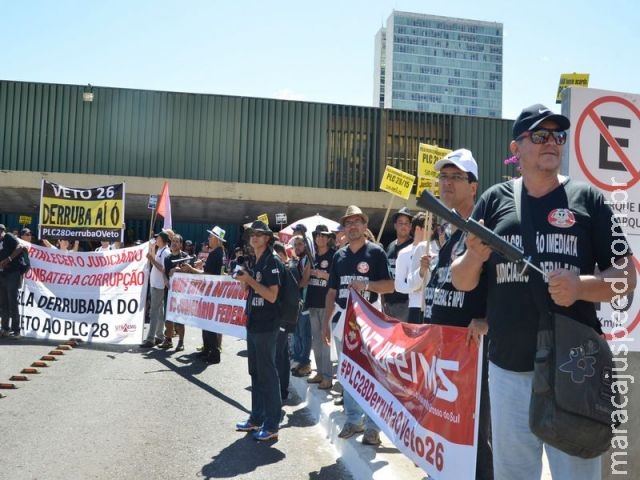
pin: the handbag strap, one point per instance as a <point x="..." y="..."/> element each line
<point x="536" y="283"/>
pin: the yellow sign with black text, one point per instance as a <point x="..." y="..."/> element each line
<point x="82" y="213"/>
<point x="571" y="80"/>
<point x="428" y="155"/>
<point x="397" y="182"/>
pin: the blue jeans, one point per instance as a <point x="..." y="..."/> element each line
<point x="265" y="384"/>
<point x="355" y="414"/>
<point x="301" y="348"/>
<point x="517" y="453"/>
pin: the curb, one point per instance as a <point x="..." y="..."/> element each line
<point x="362" y="461"/>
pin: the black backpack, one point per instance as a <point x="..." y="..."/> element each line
<point x="289" y="301"/>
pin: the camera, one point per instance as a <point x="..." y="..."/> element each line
<point x="240" y="264"/>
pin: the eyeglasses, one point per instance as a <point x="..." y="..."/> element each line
<point x="354" y="223"/>
<point x="541" y="136"/>
<point x="456" y="177"/>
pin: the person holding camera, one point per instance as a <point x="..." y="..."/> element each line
<point x="263" y="326"/>
<point x="172" y="264"/>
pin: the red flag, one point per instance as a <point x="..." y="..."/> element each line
<point x="164" y="205"/>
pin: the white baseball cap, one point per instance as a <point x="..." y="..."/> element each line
<point x="461" y="158"/>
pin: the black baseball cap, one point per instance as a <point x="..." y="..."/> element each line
<point x="533" y="116"/>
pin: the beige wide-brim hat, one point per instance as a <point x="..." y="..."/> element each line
<point x="354" y="211"/>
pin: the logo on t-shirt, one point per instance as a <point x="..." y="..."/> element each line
<point x="363" y="267"/>
<point x="324" y="263"/>
<point x="561" y="218"/>
<point x="258" y="276"/>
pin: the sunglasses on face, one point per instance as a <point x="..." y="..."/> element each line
<point x="456" y="177"/>
<point x="541" y="136"/>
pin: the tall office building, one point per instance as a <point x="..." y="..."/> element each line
<point x="439" y="64"/>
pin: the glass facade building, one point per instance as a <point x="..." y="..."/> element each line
<point x="439" y="64"/>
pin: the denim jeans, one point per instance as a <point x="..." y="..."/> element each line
<point x="265" y="384"/>
<point x="301" y="348"/>
<point x="356" y="415"/>
<point x="517" y="453"/>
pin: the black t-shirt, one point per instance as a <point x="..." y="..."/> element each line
<point x="573" y="226"/>
<point x="169" y="263"/>
<point x="317" y="287"/>
<point x="7" y="246"/>
<point x="263" y="316"/>
<point x="444" y="304"/>
<point x="369" y="262"/>
<point x="214" y="262"/>
<point x="392" y="254"/>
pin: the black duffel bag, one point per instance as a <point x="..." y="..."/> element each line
<point x="572" y="399"/>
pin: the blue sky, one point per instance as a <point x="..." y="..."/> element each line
<point x="313" y="51"/>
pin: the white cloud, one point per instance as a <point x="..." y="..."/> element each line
<point x="288" y="94"/>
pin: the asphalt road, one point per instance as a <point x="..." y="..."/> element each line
<point x="116" y="412"/>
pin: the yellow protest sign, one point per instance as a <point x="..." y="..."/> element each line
<point x="427" y="183"/>
<point x="397" y="182"/>
<point x="571" y="80"/>
<point x="82" y="213"/>
<point x="264" y="218"/>
<point x="428" y="155"/>
<point x="25" y="220"/>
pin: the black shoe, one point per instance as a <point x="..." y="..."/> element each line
<point x="147" y="344"/>
<point x="167" y="344"/>
<point x="213" y="357"/>
<point x="15" y="336"/>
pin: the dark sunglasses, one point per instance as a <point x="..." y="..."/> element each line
<point x="541" y="136"/>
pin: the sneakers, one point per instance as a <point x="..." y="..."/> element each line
<point x="371" y="437"/>
<point x="339" y="400"/>
<point x="315" y="379"/>
<point x="302" y="371"/>
<point x="167" y="344"/>
<point x="14" y="336"/>
<point x="349" y="430"/>
<point x="264" y="435"/>
<point x="247" y="427"/>
<point x="325" y="384"/>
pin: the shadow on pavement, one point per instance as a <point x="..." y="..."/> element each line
<point x="233" y="460"/>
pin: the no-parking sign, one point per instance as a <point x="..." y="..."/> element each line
<point x="603" y="150"/>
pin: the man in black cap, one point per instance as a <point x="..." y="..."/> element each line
<point x="548" y="201"/>
<point x="362" y="265"/>
<point x="396" y="304"/>
<point x="10" y="251"/>
<point x="263" y="326"/>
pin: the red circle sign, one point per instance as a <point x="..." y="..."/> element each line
<point x="589" y="112"/>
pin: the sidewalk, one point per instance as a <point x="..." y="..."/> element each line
<point x="363" y="461"/>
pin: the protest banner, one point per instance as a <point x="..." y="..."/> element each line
<point x="210" y="302"/>
<point x="419" y="383"/>
<point x="98" y="297"/>
<point x="82" y="213"/>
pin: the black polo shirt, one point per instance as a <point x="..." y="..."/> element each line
<point x="263" y="316"/>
